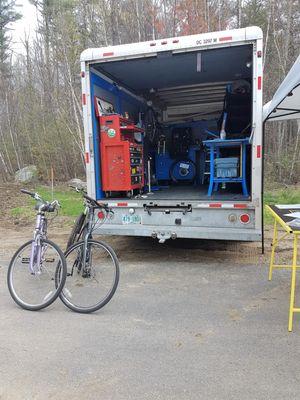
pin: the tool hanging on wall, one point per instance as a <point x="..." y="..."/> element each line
<point x="161" y="145"/>
<point x="149" y="175"/>
<point x="151" y="125"/>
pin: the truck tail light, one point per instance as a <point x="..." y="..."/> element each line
<point x="101" y="215"/>
<point x="245" y="218"/>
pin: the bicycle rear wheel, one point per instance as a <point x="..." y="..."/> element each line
<point x="91" y="284"/>
<point x="34" y="290"/>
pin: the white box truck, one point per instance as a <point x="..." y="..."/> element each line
<point x="199" y="87"/>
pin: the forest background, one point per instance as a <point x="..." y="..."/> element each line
<point x="40" y="92"/>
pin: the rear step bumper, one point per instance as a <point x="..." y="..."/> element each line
<point x="167" y="232"/>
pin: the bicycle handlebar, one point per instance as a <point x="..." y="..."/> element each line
<point x="28" y="192"/>
<point x="95" y="203"/>
<point x="45" y="206"/>
<point x="92" y="201"/>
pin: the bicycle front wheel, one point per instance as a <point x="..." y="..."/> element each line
<point x="91" y="283"/>
<point x="32" y="274"/>
<point x="77" y="230"/>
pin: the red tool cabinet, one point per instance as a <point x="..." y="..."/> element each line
<point x="122" y="166"/>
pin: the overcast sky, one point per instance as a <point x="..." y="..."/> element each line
<point x="26" y="24"/>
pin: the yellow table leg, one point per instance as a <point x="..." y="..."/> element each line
<point x="293" y="284"/>
<point x="274" y="244"/>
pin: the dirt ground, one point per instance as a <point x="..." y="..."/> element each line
<point x="191" y="319"/>
<point x="17" y="229"/>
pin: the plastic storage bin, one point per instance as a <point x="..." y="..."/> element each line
<point x="226" y="167"/>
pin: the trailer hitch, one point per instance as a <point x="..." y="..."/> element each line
<point x="163" y="236"/>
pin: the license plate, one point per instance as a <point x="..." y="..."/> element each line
<point x="131" y="219"/>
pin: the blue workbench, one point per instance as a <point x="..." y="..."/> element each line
<point x="214" y="147"/>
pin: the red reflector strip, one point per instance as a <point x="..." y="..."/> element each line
<point x="259" y="54"/>
<point x="175" y="41"/>
<point x="240" y="205"/>
<point x="111" y="53"/>
<point x="164" y="42"/>
<point x="83" y="99"/>
<point x="225" y="38"/>
<point x="87" y="157"/>
<point x="259" y="83"/>
<point x="258" y="151"/>
<point x="82" y="74"/>
<point x="215" y="205"/>
<point x="153" y="44"/>
<point x="122" y="204"/>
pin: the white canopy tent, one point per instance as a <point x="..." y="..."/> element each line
<point x="285" y="103"/>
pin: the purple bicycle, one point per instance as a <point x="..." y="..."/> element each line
<point x="37" y="272"/>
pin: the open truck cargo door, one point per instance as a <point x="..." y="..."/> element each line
<point x="194" y="170"/>
<point x="285" y="103"/>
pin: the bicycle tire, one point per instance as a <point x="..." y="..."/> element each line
<point x="76" y="230"/>
<point x="84" y="309"/>
<point x="58" y="288"/>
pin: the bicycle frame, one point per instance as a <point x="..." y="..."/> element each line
<point x="37" y="252"/>
<point x="87" y="236"/>
<point x="83" y="259"/>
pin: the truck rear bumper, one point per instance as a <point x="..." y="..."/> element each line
<point x="164" y="233"/>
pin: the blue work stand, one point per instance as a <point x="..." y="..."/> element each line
<point x="214" y="147"/>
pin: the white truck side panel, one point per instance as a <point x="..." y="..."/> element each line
<point x="88" y="129"/>
<point x="180" y="44"/>
<point x="257" y="132"/>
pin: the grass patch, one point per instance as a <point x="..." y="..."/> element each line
<point x="22" y="212"/>
<point x="71" y="202"/>
<point x="281" y="196"/>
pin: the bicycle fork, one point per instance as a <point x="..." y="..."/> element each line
<point x="86" y="255"/>
<point x="36" y="253"/>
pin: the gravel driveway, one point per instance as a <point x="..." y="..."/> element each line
<point x="190" y="320"/>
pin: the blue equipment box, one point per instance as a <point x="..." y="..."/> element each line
<point x="226" y="167"/>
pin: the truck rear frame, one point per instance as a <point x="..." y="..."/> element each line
<point x="188" y="217"/>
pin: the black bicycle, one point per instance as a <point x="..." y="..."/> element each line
<point x="93" y="267"/>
